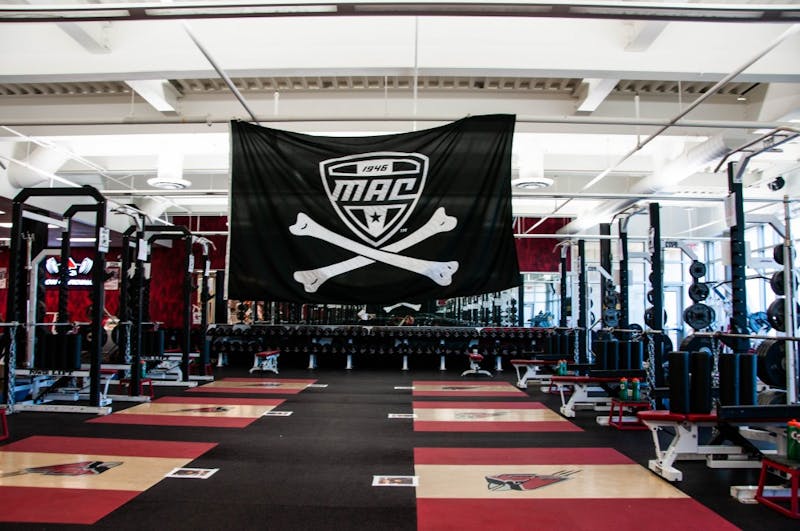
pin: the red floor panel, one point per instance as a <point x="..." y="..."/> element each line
<point x="677" y="514"/>
<point x="90" y="445"/>
<point x="59" y="506"/>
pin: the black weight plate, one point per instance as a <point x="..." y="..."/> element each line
<point x="693" y="343"/>
<point x="699" y="316"/>
<point x="775" y="314"/>
<point x="777" y="253"/>
<point x="776" y="283"/>
<point x="611" y="317"/>
<point x="699" y="291"/>
<point x="772" y="363"/>
<point x="697" y="269"/>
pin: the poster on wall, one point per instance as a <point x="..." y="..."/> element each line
<point x="377" y="219"/>
<point x="3" y="277"/>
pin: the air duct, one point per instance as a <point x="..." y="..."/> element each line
<point x="37" y="165"/>
<point x="153" y="207"/>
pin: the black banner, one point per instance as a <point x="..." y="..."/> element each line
<point x="379" y="219"/>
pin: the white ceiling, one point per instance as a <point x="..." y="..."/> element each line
<point x="587" y="92"/>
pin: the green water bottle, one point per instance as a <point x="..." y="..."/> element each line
<point x="793" y="440"/>
<point x="623" y="388"/>
<point x="636" y="394"/>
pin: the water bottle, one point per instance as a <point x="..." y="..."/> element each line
<point x="623" y="388"/>
<point x="793" y="440"/>
<point x="636" y="390"/>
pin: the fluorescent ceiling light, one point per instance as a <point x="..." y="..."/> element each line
<point x="238" y="10"/>
<point x="36" y="12"/>
<point x="6" y="224"/>
<point x="79" y="240"/>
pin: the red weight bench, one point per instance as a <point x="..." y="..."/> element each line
<point x="585" y="391"/>
<point x="792" y="470"/>
<point x="475" y="360"/>
<point x="685" y="444"/>
<point x="266" y="361"/>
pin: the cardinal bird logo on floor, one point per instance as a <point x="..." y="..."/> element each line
<point x="527" y="481"/>
<point x="82" y="468"/>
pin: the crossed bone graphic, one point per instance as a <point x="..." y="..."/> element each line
<point x="440" y="272"/>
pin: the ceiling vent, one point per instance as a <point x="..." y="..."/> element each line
<point x="170" y="173"/>
<point x="532" y="183"/>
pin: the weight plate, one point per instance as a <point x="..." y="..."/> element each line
<point x="611" y="317"/>
<point x="777" y="280"/>
<point x="772" y="363"/>
<point x="777" y="253"/>
<point x="697" y="269"/>
<point x="699" y="316"/>
<point x="693" y="343"/>
<point x="699" y="291"/>
<point x="775" y="314"/>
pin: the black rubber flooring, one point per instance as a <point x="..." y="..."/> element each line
<point x="313" y="470"/>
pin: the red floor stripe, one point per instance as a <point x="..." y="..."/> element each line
<point x="478" y="405"/>
<point x="519" y="456"/>
<point x="469" y="392"/>
<point x="280" y="380"/>
<point x="246" y="390"/>
<point x="666" y="514"/>
<point x="176" y="420"/>
<point x="60" y="506"/>
<point x="90" y="445"/>
<point x="458" y="382"/>
<point x="221" y="401"/>
<point x="520" y="426"/>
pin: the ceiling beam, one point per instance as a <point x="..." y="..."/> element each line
<point x="646" y="34"/>
<point x="780" y="13"/>
<point x="159" y="93"/>
<point x="594" y="91"/>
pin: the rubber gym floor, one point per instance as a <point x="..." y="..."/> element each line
<point x="314" y="469"/>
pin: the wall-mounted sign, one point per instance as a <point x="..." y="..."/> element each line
<point x="78" y="272"/>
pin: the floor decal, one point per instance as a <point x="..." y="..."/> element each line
<point x="194" y="411"/>
<point x="488" y="417"/>
<point x="465" y="388"/>
<point x="192" y="473"/>
<point x="547" y="488"/>
<point x="79" y="480"/>
<point x="284" y="386"/>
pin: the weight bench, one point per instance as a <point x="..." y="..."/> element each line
<point x="475" y="360"/>
<point x="531" y="371"/>
<point x="685" y="444"/>
<point x="582" y="386"/>
<point x="266" y="361"/>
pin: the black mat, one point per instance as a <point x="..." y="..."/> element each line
<point x="314" y="469"/>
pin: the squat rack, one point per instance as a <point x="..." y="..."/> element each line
<point x="17" y="297"/>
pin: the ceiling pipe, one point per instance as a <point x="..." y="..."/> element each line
<point x="219" y="70"/>
<point x="562" y="120"/>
